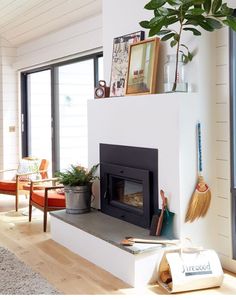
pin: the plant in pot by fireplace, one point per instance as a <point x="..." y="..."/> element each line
<point x="77" y="182"/>
<point x="188" y="15"/>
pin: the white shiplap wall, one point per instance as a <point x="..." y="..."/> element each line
<point x="222" y="144"/>
<point x="9" y="107"/>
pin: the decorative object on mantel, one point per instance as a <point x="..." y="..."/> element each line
<point x="210" y="15"/>
<point x="77" y="183"/>
<point x="169" y="74"/>
<point x="162" y="223"/>
<point x="102" y="90"/>
<point x="142" y="67"/>
<point x="130" y="241"/>
<point x="120" y="61"/>
<point x="201" y="198"/>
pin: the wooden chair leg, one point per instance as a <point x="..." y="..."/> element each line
<point x="45" y="220"/>
<point x="30" y="212"/>
<point x="17" y="199"/>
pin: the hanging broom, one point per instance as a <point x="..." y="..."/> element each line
<point x="201" y="198"/>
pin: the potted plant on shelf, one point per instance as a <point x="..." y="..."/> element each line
<point x="77" y="183"/>
<point x="209" y="15"/>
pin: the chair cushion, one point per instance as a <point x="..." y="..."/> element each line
<point x="54" y="199"/>
<point x="9" y="185"/>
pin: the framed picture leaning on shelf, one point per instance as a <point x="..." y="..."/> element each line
<point x="120" y="61"/>
<point x="142" y="67"/>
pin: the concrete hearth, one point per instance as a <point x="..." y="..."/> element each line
<point x="96" y="237"/>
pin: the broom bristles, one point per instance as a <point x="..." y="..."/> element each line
<point x="200" y="201"/>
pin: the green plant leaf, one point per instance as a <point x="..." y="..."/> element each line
<point x="196" y="11"/>
<point x="176" y="37"/>
<point x="185" y="58"/>
<point x="226" y="11"/>
<point x="195" y="18"/>
<point x="163" y="32"/>
<point x="205" y="25"/>
<point x="214" y="23"/>
<point x="207" y="6"/>
<point x="171" y="20"/>
<point x="172" y="12"/>
<point x="154" y="30"/>
<point x="231" y="22"/>
<point x="216" y="5"/>
<point x="173" y="43"/>
<point x="191" y="22"/>
<point x="167" y="36"/>
<point x="153" y="4"/>
<point x="190" y="56"/>
<point x="154" y="21"/>
<point x="193" y="30"/>
<point x="144" y="24"/>
<point x="174" y="2"/>
<point x="163" y="11"/>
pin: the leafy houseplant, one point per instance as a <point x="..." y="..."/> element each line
<point x="77" y="183"/>
<point x="77" y="176"/>
<point x="210" y="15"/>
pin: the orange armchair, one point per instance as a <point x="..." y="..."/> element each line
<point x="46" y="200"/>
<point x="20" y="186"/>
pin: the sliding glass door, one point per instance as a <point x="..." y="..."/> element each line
<point x="76" y="85"/>
<point x="54" y="111"/>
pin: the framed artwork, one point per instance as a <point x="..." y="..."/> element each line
<point x="142" y="67"/>
<point x="120" y="61"/>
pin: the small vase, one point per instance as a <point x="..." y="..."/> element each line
<point x="169" y="75"/>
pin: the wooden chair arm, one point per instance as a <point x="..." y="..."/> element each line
<point x="30" y="173"/>
<point x="7" y="170"/>
<point x="44" y="180"/>
<point x="47" y="189"/>
<point x="37" y="182"/>
<point x="54" y="187"/>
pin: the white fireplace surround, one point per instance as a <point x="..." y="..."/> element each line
<point x="166" y="122"/>
<point x="163" y="121"/>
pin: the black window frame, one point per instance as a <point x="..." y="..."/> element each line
<point x="54" y="95"/>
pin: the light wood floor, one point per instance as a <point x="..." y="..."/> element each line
<point x="65" y="270"/>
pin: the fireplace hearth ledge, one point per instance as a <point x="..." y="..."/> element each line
<point x="96" y="237"/>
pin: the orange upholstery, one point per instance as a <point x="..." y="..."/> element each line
<point x="45" y="200"/>
<point x="10" y="185"/>
<point x="54" y="199"/>
<point x="18" y="186"/>
<point x="44" y="166"/>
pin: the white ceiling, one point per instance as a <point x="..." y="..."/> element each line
<point x="25" y="20"/>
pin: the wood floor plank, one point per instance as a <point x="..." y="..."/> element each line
<point x="68" y="272"/>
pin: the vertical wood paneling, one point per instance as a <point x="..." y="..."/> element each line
<point x="222" y="129"/>
<point x="222" y="150"/>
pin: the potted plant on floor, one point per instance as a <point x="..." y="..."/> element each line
<point x="77" y="183"/>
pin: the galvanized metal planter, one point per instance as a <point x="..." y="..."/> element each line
<point x="78" y="199"/>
